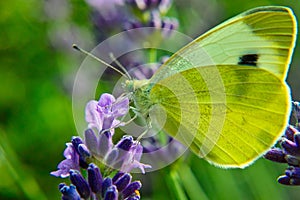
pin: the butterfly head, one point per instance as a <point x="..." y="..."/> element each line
<point x="132" y="85"/>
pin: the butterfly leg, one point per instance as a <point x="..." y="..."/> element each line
<point x="148" y="127"/>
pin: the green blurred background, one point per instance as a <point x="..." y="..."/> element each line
<point x="38" y="67"/>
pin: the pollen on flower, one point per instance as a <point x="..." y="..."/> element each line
<point x="137" y="193"/>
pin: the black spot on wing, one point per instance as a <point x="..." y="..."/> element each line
<point x="248" y="59"/>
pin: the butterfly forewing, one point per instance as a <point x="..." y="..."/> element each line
<point x="264" y="35"/>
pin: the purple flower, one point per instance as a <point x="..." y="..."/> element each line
<point x="162" y="153"/>
<point x="291" y="177"/>
<point x="289" y="152"/>
<point x="68" y="192"/>
<point x="144" y="5"/>
<point x="276" y="155"/>
<point x="81" y="184"/>
<point x="132" y="159"/>
<point x="104" y="4"/>
<point x="131" y="189"/>
<point x="118" y="187"/>
<point x="103" y="114"/>
<point x="125" y="155"/>
<point x="71" y="162"/>
<point x="111" y="193"/>
<point x="94" y="178"/>
<point x="290" y="148"/>
<point x="107" y="182"/>
<point x="82" y="151"/>
<point x="107" y="17"/>
<point x="296" y="107"/>
<point x="121" y="185"/>
<point x="145" y="71"/>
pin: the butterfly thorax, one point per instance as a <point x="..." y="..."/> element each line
<point x="140" y="94"/>
<point x="133" y="85"/>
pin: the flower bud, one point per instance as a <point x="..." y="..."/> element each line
<point x="68" y="192"/>
<point x="107" y="182"/>
<point x="123" y="182"/>
<point x="94" y="178"/>
<point x="131" y="188"/>
<point x="276" y="155"/>
<point x="111" y="193"/>
<point x="81" y="184"/>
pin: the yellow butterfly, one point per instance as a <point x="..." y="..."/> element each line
<point x="224" y="95"/>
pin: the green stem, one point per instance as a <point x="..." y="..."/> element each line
<point x="152" y="55"/>
<point x="175" y="187"/>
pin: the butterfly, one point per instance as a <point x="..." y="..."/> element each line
<point x="224" y="94"/>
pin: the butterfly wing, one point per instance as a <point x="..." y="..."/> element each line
<point x="230" y="120"/>
<point x="263" y="37"/>
<point x="224" y="95"/>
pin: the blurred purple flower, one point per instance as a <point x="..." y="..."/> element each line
<point x="142" y="72"/>
<point x="289" y="152"/>
<point x="107" y="17"/>
<point x="296" y="106"/>
<point x="104" y="4"/>
<point x="111" y="17"/>
<point x="291" y="177"/>
<point x="145" y="5"/>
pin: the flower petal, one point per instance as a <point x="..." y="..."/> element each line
<point x="71" y="162"/>
<point x="92" y="116"/>
<point x="91" y="141"/>
<point x="105" y="102"/>
<point x="120" y="107"/>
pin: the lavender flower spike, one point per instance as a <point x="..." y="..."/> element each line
<point x="104" y="113"/>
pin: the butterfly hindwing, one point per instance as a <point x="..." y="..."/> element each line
<point x="232" y="127"/>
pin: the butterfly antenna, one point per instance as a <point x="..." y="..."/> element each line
<point x="119" y="64"/>
<point x="101" y="61"/>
